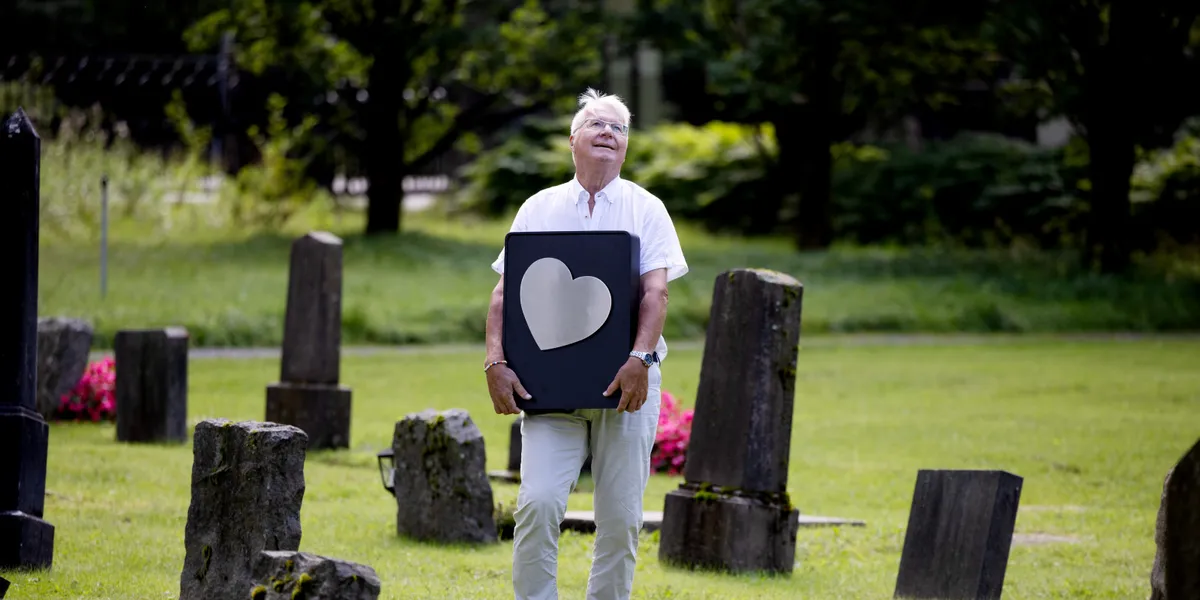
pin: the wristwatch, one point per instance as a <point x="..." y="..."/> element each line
<point x="647" y="358"/>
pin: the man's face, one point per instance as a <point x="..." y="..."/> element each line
<point x="595" y="142"/>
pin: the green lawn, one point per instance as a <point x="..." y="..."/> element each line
<point x="1093" y="427"/>
<point x="431" y="285"/>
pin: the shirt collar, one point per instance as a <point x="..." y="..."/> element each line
<point x="579" y="194"/>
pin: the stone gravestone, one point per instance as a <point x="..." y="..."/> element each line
<point x="960" y="530"/>
<point x="151" y="390"/>
<point x="308" y="394"/>
<point x="281" y="575"/>
<point x="442" y="489"/>
<point x="733" y="512"/>
<point x="62" y="351"/>
<point x="247" y="488"/>
<point x="1176" y="572"/>
<point x="26" y="541"/>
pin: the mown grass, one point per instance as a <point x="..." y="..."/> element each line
<point x="1091" y="426"/>
<point x="431" y="284"/>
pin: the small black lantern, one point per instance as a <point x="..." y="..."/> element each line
<point x="387" y="473"/>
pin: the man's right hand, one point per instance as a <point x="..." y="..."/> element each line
<point x="502" y="382"/>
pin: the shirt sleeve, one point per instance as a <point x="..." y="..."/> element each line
<point x="519" y="224"/>
<point x="660" y="244"/>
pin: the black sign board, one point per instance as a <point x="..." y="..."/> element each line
<point x="570" y="314"/>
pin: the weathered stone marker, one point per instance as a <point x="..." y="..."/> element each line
<point x="280" y="575"/>
<point x="733" y="512"/>
<point x="308" y="394"/>
<point x="960" y="530"/>
<point x="26" y="541"/>
<point x="247" y="488"/>
<point x="442" y="489"/>
<point x="62" y="351"/>
<point x="151" y="390"/>
<point x="1176" y="572"/>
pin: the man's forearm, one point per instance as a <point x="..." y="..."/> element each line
<point x="652" y="314"/>
<point x="495" y="325"/>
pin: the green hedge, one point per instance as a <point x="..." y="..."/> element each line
<point x="976" y="190"/>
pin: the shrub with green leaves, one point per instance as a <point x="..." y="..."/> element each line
<point x="975" y="190"/>
<point x="705" y="173"/>
<point x="1166" y="189"/>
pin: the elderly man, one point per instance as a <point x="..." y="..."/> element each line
<point x="555" y="445"/>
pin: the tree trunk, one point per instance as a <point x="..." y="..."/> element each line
<point x="814" y="224"/>
<point x="784" y="178"/>
<point x="1108" y="126"/>
<point x="384" y="144"/>
<point x="1110" y="168"/>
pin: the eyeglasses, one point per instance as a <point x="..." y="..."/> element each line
<point x="598" y="124"/>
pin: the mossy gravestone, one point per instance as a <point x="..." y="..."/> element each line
<point x="1176" y="571"/>
<point x="308" y="394"/>
<point x="732" y="512"/>
<point x="247" y="488"/>
<point x="280" y="575"/>
<point x="441" y="484"/>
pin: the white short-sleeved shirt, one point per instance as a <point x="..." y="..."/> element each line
<point x="621" y="206"/>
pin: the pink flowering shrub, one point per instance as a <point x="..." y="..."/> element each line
<point x="671" y="439"/>
<point x="94" y="397"/>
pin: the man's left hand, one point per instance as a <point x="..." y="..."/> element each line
<point x="633" y="381"/>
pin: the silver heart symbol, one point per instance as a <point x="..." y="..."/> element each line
<point x="558" y="309"/>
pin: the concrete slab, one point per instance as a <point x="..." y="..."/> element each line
<point x="505" y="476"/>
<point x="584" y="521"/>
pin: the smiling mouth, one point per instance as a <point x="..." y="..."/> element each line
<point x="603" y="145"/>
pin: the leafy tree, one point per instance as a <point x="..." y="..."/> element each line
<point x="435" y="73"/>
<point x="818" y="70"/>
<point x="1124" y="72"/>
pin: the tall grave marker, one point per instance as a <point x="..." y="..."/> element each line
<point x="308" y="395"/>
<point x="732" y="512"/>
<point x="26" y="541"/>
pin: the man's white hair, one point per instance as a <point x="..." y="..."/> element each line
<point x="592" y="99"/>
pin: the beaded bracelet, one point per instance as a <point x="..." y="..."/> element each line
<point x="492" y="364"/>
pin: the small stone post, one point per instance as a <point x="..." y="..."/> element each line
<point x="514" y="445"/>
<point x="733" y="511"/>
<point x="308" y="395"/>
<point x="960" y="530"/>
<point x="151" y="391"/>
<point x="26" y="541"/>
<point x="1176" y="571"/>
<point x="247" y="489"/>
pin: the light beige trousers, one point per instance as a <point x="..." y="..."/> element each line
<point x="553" y="448"/>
